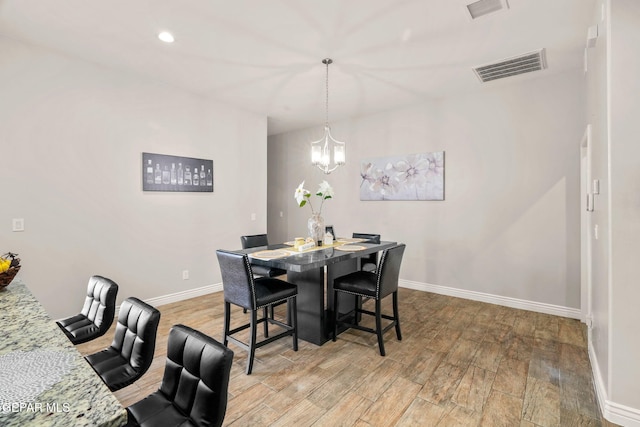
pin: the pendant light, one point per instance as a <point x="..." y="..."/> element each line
<point x="322" y="149"/>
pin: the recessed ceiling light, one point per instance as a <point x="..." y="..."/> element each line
<point x="166" y="37"/>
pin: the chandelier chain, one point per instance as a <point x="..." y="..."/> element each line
<point x="327" y="61"/>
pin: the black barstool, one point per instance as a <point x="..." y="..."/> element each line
<point x="242" y="289"/>
<point x="131" y="352"/>
<point x="369" y="262"/>
<point x="194" y="387"/>
<point x="96" y="316"/>
<point x="375" y="286"/>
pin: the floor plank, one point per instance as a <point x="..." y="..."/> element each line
<point x="460" y="363"/>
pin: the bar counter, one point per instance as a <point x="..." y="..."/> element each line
<point x="44" y="380"/>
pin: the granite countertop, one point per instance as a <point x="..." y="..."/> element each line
<point x="44" y="380"/>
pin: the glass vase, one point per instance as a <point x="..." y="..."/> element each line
<point x="316" y="228"/>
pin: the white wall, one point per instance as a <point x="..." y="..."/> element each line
<point x="71" y="138"/>
<point x="614" y="66"/>
<point x="510" y="223"/>
<point x="600" y="217"/>
<point x="625" y="201"/>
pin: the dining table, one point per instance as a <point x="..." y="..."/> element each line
<point x="313" y="271"/>
<point x="44" y="380"/>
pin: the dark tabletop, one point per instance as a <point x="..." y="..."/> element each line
<point x="314" y="259"/>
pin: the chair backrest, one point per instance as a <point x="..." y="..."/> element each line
<point x="371" y="238"/>
<point x="254" y="241"/>
<point x="329" y="229"/>
<point x="237" y="279"/>
<point x="196" y="375"/>
<point x="389" y="270"/>
<point x="135" y="337"/>
<point x="100" y="303"/>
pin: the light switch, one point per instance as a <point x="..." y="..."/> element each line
<point x="253" y="217"/>
<point x="595" y="231"/>
<point x="18" y="224"/>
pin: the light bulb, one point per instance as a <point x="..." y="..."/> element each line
<point x="166" y="37"/>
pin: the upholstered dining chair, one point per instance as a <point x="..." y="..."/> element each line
<point x="254" y="241"/>
<point x="96" y="316"/>
<point x="369" y="262"/>
<point x="376" y="286"/>
<point x="242" y="289"/>
<point x="194" y="386"/>
<point x="131" y="351"/>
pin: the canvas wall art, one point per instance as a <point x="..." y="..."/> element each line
<point x="161" y="172"/>
<point x="409" y="177"/>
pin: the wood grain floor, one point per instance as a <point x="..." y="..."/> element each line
<point x="460" y="363"/>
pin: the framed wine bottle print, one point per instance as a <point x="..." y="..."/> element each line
<point x="161" y="172"/>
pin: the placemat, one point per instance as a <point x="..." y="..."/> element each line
<point x="350" y="248"/>
<point x="350" y="240"/>
<point x="270" y="254"/>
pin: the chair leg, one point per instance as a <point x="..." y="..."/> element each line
<point x="396" y="316"/>
<point x="358" y="303"/>
<point x="293" y="315"/>
<point x="335" y="315"/>
<point x="379" y="327"/>
<point x="266" y="321"/>
<point x="227" y="322"/>
<point x="252" y="340"/>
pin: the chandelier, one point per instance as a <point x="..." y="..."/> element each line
<point x="322" y="149"/>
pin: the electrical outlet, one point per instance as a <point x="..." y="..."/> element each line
<point x="18" y="224"/>
<point x="185" y="274"/>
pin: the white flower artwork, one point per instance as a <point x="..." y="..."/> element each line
<point x="410" y="177"/>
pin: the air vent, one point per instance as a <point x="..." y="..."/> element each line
<point x="533" y="61"/>
<point x="485" y="7"/>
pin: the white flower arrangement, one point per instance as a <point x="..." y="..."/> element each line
<point x="303" y="195"/>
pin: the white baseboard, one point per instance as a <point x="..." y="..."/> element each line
<point x="573" y="313"/>
<point x="183" y="295"/>
<point x="614" y="412"/>
<point x="539" y="307"/>
<point x="556" y="310"/>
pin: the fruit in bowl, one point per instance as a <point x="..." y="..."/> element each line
<point x="5" y="264"/>
<point x="9" y="267"/>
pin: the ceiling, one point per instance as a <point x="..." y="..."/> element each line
<point x="266" y="56"/>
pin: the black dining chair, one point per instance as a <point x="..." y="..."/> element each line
<point x="242" y="289"/>
<point x="96" y="316"/>
<point x="131" y="351"/>
<point x="194" y="386"/>
<point x="375" y="286"/>
<point x="254" y="241"/>
<point x="369" y="262"/>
